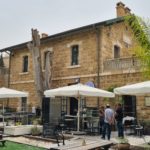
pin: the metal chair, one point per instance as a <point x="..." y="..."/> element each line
<point x="93" y="126"/>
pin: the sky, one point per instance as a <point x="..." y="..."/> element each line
<point x="18" y="17"/>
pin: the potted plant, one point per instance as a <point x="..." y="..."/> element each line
<point x="35" y="130"/>
<point x="123" y="144"/>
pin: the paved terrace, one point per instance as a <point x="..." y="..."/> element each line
<point x="77" y="142"/>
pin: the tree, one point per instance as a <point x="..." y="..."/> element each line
<point x="41" y="82"/>
<point x="141" y="31"/>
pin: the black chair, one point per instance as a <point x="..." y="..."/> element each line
<point x="139" y="129"/>
<point x="93" y="126"/>
<point x="54" y="132"/>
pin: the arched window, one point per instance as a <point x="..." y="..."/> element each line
<point x="116" y="51"/>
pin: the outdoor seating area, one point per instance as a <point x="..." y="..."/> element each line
<point x="12" y="118"/>
<point x="85" y="122"/>
<point x="89" y="121"/>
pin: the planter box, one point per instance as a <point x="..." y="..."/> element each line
<point x="20" y="130"/>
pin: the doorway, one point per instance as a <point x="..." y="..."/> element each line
<point x="73" y="106"/>
<point x="129" y="105"/>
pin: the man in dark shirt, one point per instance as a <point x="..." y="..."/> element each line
<point x="119" y="120"/>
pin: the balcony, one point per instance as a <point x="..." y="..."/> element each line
<point x="121" y="64"/>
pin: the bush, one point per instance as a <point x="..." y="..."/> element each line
<point x="35" y="130"/>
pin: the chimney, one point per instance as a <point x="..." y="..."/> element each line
<point x="44" y="35"/>
<point x="122" y="10"/>
<point x="127" y="11"/>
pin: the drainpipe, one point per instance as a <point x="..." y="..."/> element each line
<point x="9" y="68"/>
<point x="98" y="52"/>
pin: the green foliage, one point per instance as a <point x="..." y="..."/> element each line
<point x="141" y="31"/>
<point x="111" y="88"/>
<point x="36" y="121"/>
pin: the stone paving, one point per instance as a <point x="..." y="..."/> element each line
<point x="133" y="140"/>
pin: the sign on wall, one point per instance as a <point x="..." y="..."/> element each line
<point x="147" y="101"/>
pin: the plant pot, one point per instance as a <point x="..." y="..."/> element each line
<point x="123" y="146"/>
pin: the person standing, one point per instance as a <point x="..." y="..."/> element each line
<point x="108" y="121"/>
<point x="101" y="119"/>
<point x="119" y="120"/>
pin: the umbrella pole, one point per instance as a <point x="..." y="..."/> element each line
<point x="78" y="125"/>
<point x="3" y="115"/>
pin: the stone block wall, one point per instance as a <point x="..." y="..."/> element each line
<point x="63" y="73"/>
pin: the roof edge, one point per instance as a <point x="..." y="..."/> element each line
<point x="105" y="23"/>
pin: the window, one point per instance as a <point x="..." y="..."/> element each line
<point x="25" y="64"/>
<point x="24" y="104"/>
<point x="74" y="55"/>
<point x="116" y="51"/>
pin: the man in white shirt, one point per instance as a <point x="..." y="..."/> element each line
<point x="108" y="121"/>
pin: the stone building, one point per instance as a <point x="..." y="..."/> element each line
<point x="100" y="53"/>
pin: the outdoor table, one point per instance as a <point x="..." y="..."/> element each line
<point x="129" y="126"/>
<point x="70" y="116"/>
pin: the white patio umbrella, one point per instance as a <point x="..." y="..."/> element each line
<point x="78" y="90"/>
<point x="10" y="93"/>
<point x="141" y="88"/>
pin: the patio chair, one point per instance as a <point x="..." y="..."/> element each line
<point x="54" y="132"/>
<point x="93" y="126"/>
<point x="139" y="129"/>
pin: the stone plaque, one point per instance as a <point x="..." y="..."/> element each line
<point x="147" y="101"/>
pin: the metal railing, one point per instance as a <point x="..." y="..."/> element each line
<point x="122" y="64"/>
